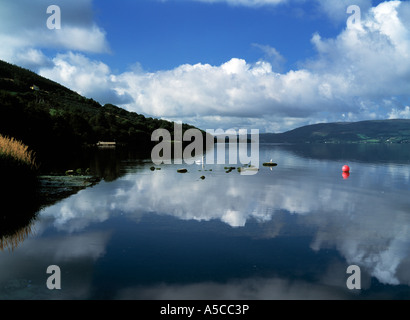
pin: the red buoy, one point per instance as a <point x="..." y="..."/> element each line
<point x="345" y="168"/>
<point x="345" y="175"/>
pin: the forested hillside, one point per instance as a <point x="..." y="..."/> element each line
<point x="371" y="131"/>
<point x="49" y="117"/>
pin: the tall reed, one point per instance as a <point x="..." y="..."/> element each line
<point x="16" y="150"/>
<point x="19" y="196"/>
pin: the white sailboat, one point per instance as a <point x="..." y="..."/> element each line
<point x="200" y="161"/>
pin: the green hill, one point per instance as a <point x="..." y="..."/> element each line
<point x="52" y="119"/>
<point x="372" y="131"/>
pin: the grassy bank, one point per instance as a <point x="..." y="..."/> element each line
<point x="18" y="169"/>
<point x="15" y="154"/>
<point x="25" y="191"/>
<point x="18" y="179"/>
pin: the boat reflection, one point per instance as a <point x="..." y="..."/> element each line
<point x="361" y="220"/>
<point x="297" y="228"/>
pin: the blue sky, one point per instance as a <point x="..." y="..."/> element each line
<point x="164" y="35"/>
<point x="271" y="65"/>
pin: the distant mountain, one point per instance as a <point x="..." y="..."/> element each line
<point x="52" y="119"/>
<point x="372" y="131"/>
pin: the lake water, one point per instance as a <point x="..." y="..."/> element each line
<point x="287" y="232"/>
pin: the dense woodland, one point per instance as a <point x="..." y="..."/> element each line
<point x="50" y="118"/>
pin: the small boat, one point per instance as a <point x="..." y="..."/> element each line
<point x="270" y="164"/>
<point x="244" y="169"/>
<point x="201" y="161"/>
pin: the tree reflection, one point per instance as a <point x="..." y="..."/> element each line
<point x="20" y="204"/>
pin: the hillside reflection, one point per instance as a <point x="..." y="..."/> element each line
<point x="22" y="199"/>
<point x="364" y="217"/>
<point x="19" y="205"/>
<point x="287" y="232"/>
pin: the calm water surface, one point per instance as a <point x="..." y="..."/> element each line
<point x="289" y="232"/>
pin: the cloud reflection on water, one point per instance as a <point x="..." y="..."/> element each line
<point x="24" y="275"/>
<point x="248" y="289"/>
<point x="366" y="218"/>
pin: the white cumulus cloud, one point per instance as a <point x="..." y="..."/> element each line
<point x="24" y="32"/>
<point x="400" y="114"/>
<point x="357" y="75"/>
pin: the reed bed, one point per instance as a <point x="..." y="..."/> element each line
<point x="11" y="242"/>
<point x="12" y="148"/>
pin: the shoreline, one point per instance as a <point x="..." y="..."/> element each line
<point x="54" y="188"/>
